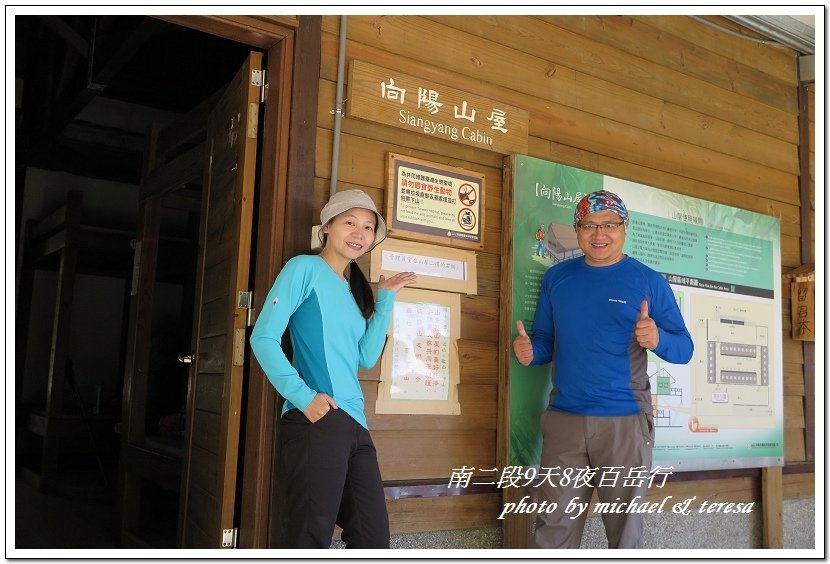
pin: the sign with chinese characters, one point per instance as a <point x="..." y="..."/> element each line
<point x="419" y="366"/>
<point x="802" y="303"/>
<point x="432" y="202"/>
<point x="724" y="409"/>
<point x="437" y="267"/>
<point x="389" y="97"/>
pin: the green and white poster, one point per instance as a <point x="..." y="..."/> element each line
<point x="724" y="409"/>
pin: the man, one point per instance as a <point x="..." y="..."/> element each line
<point x="597" y="317"/>
<point x="540" y="241"/>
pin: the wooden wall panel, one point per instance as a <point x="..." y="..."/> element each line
<point x="666" y="101"/>
<point x="794" y="446"/>
<point x="799" y="486"/>
<point x="209" y="396"/>
<point x="793" y="379"/>
<point x="415" y="515"/>
<point x="560" y="82"/>
<point x="636" y="86"/>
<point x="216" y="281"/>
<point x="793" y="412"/>
<point x="206" y="428"/>
<point x="417" y="454"/>
<point x="777" y="63"/>
<point x="205" y="473"/>
<point x="479" y="361"/>
<point x="201" y="525"/>
<point x="685" y="51"/>
<point x="215" y="317"/>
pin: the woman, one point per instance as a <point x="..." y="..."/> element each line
<point x="327" y="460"/>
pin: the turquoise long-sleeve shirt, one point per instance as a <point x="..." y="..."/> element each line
<point x="330" y="337"/>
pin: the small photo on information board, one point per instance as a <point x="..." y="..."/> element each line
<point x="434" y="203"/>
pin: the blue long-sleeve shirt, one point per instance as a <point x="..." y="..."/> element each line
<point x="584" y="323"/>
<point x="329" y="335"/>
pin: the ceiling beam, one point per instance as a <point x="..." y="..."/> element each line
<point x="68" y="34"/>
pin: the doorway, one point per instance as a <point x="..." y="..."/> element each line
<point x="86" y="462"/>
<point x="281" y="226"/>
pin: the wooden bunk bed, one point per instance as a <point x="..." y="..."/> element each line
<point x="61" y="242"/>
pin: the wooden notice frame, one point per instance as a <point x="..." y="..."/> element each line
<point x="438" y="268"/>
<point x="419" y="366"/>
<point x="427" y="201"/>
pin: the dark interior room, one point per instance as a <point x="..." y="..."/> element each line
<point x="90" y="93"/>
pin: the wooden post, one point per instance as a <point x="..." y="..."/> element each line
<point x="61" y="328"/>
<point x="772" y="498"/>
<point x="518" y="527"/>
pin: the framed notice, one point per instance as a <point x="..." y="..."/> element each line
<point x="419" y="366"/>
<point x="438" y="268"/>
<point x="431" y="202"/>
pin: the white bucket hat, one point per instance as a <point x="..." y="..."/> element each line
<point x="346" y="200"/>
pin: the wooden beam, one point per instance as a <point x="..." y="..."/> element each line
<point x="772" y="499"/>
<point x="61" y="326"/>
<point x="106" y="63"/>
<point x="807" y="213"/>
<point x="67" y="33"/>
<point x="258" y="31"/>
<point x="290" y="78"/>
<point x="141" y="312"/>
<point x="517" y="529"/>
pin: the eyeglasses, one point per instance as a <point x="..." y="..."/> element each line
<point x="592" y="227"/>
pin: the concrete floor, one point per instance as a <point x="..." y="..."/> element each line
<point x="81" y="514"/>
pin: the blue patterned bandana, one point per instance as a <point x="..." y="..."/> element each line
<point x="600" y="200"/>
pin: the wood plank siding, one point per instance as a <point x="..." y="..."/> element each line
<point x="665" y="101"/>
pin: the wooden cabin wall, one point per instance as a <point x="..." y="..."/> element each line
<point x="665" y="101"/>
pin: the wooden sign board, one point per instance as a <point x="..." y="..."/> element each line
<point x="803" y="304"/>
<point x="392" y="98"/>
<point x="428" y="201"/>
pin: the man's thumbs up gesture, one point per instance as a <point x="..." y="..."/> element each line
<point x="646" y="329"/>
<point x="522" y="345"/>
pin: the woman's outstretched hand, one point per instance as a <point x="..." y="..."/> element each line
<point x="398" y="281"/>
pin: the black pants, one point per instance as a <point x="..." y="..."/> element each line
<point x="331" y="476"/>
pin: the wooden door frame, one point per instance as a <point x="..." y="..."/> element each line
<point x="283" y="218"/>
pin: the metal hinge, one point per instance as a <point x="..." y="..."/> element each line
<point x="230" y="538"/>
<point x="258" y="79"/>
<point x="245" y="300"/>
<point x="238" y="347"/>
